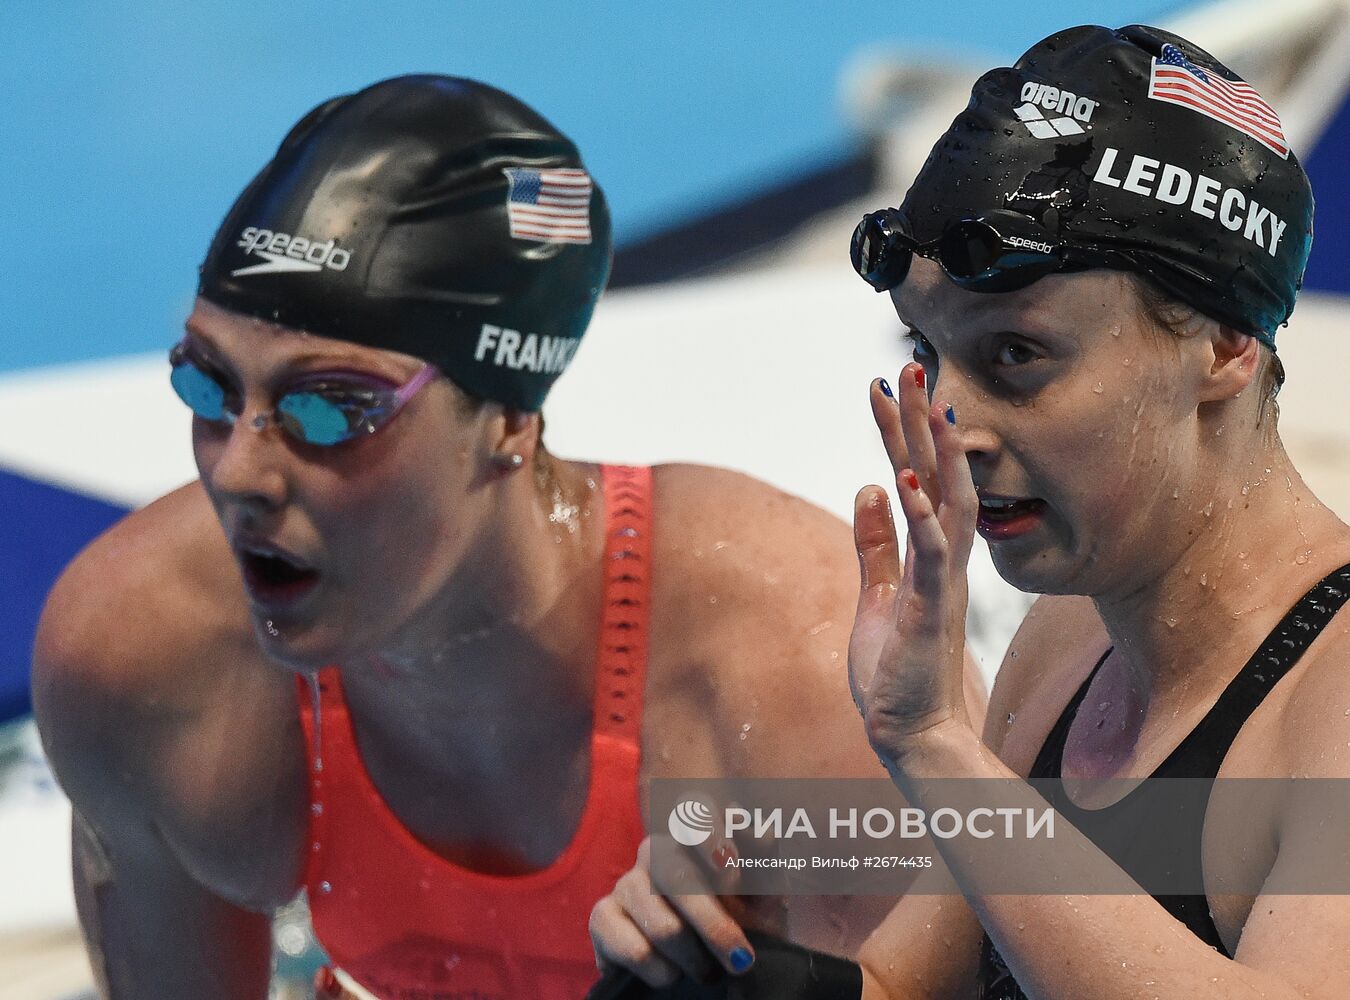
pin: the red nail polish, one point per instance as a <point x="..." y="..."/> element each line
<point x="911" y="479"/>
<point x="326" y="984"/>
<point x="920" y="378"/>
<point x="725" y="852"/>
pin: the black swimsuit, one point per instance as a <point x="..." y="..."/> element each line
<point x="1199" y="756"/>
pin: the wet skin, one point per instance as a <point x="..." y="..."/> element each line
<point x="459" y="597"/>
<point x="1172" y="527"/>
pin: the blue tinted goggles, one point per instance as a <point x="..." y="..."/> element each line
<point x="325" y="412"/>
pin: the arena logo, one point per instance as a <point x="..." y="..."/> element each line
<point x="530" y="352"/>
<point x="1204" y="196"/>
<point x="1069" y="108"/>
<point x="285" y="253"/>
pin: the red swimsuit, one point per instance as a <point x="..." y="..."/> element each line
<point x="408" y="924"/>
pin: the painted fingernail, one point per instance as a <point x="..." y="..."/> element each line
<point x="326" y="984"/>
<point x="951" y="414"/>
<point x="741" y="959"/>
<point x="724" y="854"/>
<point x="920" y="378"/>
<point x="886" y="388"/>
<point x="911" y="479"/>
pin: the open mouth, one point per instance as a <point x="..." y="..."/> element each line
<point x="1007" y="517"/>
<point x="275" y="578"/>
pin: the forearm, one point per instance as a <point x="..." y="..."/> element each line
<point x="1104" y="946"/>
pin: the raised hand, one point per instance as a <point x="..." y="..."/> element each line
<point x="907" y="650"/>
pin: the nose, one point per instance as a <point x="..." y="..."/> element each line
<point x="245" y="466"/>
<point x="970" y="407"/>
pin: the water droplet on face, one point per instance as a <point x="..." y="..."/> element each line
<point x="745" y="730"/>
<point x="1099" y="388"/>
<point x="1013" y="718"/>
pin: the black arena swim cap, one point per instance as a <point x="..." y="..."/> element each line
<point x="1133" y="140"/>
<point x="430" y="215"/>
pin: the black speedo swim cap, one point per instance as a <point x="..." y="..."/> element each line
<point x="1133" y="140"/>
<point x="431" y="215"/>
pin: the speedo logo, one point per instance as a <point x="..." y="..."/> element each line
<point x="1025" y="244"/>
<point x="1069" y="109"/>
<point x="282" y="252"/>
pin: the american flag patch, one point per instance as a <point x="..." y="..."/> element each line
<point x="552" y="206"/>
<point x="1177" y="80"/>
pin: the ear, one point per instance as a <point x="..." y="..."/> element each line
<point x="1233" y="358"/>
<point x="514" y="432"/>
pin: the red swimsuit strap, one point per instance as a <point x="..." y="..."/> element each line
<point x="627" y="601"/>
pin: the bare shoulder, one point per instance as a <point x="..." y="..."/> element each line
<point x="1054" y="648"/>
<point x="144" y="639"/>
<point x="753" y="598"/>
<point x="1314" y="724"/>
<point x="700" y="510"/>
<point x="155" y="590"/>
<point x="732" y="551"/>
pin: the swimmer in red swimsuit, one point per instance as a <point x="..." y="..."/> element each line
<point x="391" y="649"/>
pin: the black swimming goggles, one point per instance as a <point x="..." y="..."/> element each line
<point x="998" y="251"/>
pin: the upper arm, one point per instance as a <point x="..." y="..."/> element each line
<point x="112" y="700"/>
<point x="763" y="588"/>
<point x="151" y="929"/>
<point x="774" y="581"/>
<point x="772" y="584"/>
<point x="1299" y="938"/>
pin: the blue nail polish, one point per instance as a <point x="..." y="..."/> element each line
<point x="741" y="960"/>
<point x="951" y="414"/>
<point x="886" y="389"/>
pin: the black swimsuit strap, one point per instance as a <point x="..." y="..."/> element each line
<point x="1199" y="755"/>
<point x="1050" y="761"/>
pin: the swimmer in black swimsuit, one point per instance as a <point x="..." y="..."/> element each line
<point x="1092" y="266"/>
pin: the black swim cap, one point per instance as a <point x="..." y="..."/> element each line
<point x="430" y="215"/>
<point x="1134" y="140"/>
